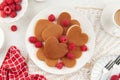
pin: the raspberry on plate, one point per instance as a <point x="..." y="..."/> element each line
<point x="51" y="17"/>
<point x="9" y="1"/>
<point x="12" y="6"/>
<point x="13" y="14"/>
<point x="32" y="39"/>
<point x="60" y="65"/>
<point x="70" y="55"/>
<point x="83" y="48"/>
<point x="114" y="77"/>
<point x="18" y="7"/>
<point x="63" y="39"/>
<point x="38" y="44"/>
<point x="2" y="5"/>
<point x="65" y="23"/>
<point x="71" y="46"/>
<point x="3" y="14"/>
<point x="7" y="10"/>
<point x="18" y="1"/>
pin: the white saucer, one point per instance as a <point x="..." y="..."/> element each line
<point x="106" y="19"/>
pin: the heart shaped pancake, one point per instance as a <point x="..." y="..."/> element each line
<point x="75" y="35"/>
<point x="40" y="55"/>
<point x="66" y="16"/>
<point x="40" y="26"/>
<point x="69" y="62"/>
<point x="77" y="52"/>
<point x="53" y="49"/>
<point x="55" y="30"/>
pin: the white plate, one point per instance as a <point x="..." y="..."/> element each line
<point x="1" y="38"/>
<point x="20" y="13"/>
<point x="86" y="27"/>
<point x="99" y="65"/>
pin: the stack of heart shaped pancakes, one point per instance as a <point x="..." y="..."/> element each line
<point x="54" y="51"/>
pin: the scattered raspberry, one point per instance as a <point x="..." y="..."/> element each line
<point x="13" y="28"/>
<point x="3" y="14"/>
<point x="63" y="39"/>
<point x="38" y="44"/>
<point x="13" y="14"/>
<point x="9" y="1"/>
<point x="18" y="7"/>
<point x="71" y="46"/>
<point x="2" y="5"/>
<point x="32" y="39"/>
<point x="18" y="1"/>
<point x="51" y="17"/>
<point x="114" y="77"/>
<point x="65" y="23"/>
<point x="70" y="55"/>
<point x="7" y="10"/>
<point x="60" y="65"/>
<point x="83" y="48"/>
<point x="12" y="6"/>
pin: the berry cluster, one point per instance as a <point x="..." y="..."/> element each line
<point x="115" y="77"/>
<point x="10" y="8"/>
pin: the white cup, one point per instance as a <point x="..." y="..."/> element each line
<point x="108" y="19"/>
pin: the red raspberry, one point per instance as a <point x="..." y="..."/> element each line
<point x="18" y="7"/>
<point x="32" y="39"/>
<point x="63" y="39"/>
<point x="65" y="23"/>
<point x="13" y="14"/>
<point x="3" y="14"/>
<point x="83" y="48"/>
<point x="51" y="17"/>
<point x="9" y="1"/>
<point x="60" y="65"/>
<point x="38" y="44"/>
<point x="70" y="55"/>
<point x="18" y="1"/>
<point x="71" y="46"/>
<point x="13" y="28"/>
<point x="7" y="10"/>
<point x="12" y="6"/>
<point x="119" y="75"/>
<point x="2" y="5"/>
<point x="114" y="77"/>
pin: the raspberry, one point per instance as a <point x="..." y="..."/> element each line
<point x="71" y="46"/>
<point x="12" y="6"/>
<point x="13" y="28"/>
<point x="13" y="14"/>
<point x="32" y="39"/>
<point x="2" y="5"/>
<point x="63" y="39"/>
<point x="18" y="1"/>
<point x="60" y="65"/>
<point x="7" y="10"/>
<point x="9" y="1"/>
<point x="70" y="55"/>
<point x="119" y="75"/>
<point x="114" y="77"/>
<point x="3" y="14"/>
<point x="18" y="7"/>
<point x="51" y="17"/>
<point x="83" y="48"/>
<point x="38" y="44"/>
<point x="65" y="23"/>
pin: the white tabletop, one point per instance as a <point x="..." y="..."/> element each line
<point x="18" y="38"/>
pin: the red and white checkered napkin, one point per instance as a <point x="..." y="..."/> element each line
<point x="14" y="67"/>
